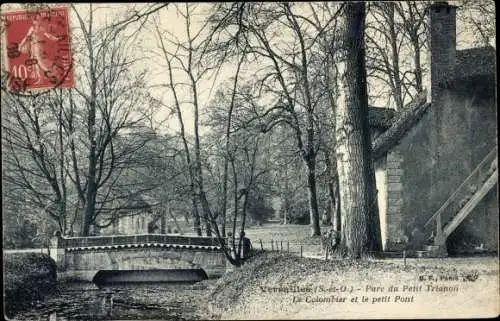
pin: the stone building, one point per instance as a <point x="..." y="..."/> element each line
<point x="140" y="215"/>
<point x="436" y="161"/>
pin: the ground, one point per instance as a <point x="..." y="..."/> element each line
<point x="286" y="238"/>
<point x="285" y="286"/>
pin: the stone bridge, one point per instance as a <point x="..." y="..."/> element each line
<point x="80" y="258"/>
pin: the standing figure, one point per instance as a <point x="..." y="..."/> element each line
<point x="33" y="44"/>
<point x="230" y="244"/>
<point x="246" y="246"/>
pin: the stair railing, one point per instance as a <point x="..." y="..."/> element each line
<point x="459" y="194"/>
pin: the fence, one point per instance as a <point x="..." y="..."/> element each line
<point x="296" y="247"/>
<point x="307" y="249"/>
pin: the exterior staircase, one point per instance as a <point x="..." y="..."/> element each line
<point x="462" y="202"/>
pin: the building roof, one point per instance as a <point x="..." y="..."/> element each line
<point x="401" y="123"/>
<point x="474" y="67"/>
<point x="474" y="62"/>
<point x="137" y="202"/>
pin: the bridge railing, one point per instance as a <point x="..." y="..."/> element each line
<point x="108" y="240"/>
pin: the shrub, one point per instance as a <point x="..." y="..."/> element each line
<point x="27" y="277"/>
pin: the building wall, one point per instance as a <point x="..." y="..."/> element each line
<point x="396" y="236"/>
<point x="134" y="223"/>
<point x="438" y="154"/>
<point x="433" y="159"/>
<point x="381" y="183"/>
<point x="480" y="227"/>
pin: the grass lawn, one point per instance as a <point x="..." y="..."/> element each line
<point x="289" y="232"/>
<point x="287" y="238"/>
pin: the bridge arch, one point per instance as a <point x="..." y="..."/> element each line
<point x="81" y="258"/>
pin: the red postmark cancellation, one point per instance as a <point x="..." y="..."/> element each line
<point x="38" y="49"/>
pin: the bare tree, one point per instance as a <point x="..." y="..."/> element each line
<point x="185" y="58"/>
<point x="108" y="96"/>
<point x="245" y="149"/>
<point x="286" y="70"/>
<point x="227" y="157"/>
<point x="189" y="62"/>
<point x="73" y="138"/>
<point x="479" y="19"/>
<point x="35" y="153"/>
<point x="396" y="38"/>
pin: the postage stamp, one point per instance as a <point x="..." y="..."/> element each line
<point x="38" y="49"/>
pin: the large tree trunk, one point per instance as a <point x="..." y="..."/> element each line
<point x="227" y="148"/>
<point x="360" y="230"/>
<point x="205" y="208"/>
<point x="89" y="209"/>
<point x="91" y="192"/>
<point x="196" y="217"/>
<point x="418" y="67"/>
<point x="285" y="199"/>
<point x="333" y="192"/>
<point x="313" y="198"/>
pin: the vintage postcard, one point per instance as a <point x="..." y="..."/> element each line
<point x="249" y="160"/>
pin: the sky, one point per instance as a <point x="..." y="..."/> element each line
<point x="147" y="48"/>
